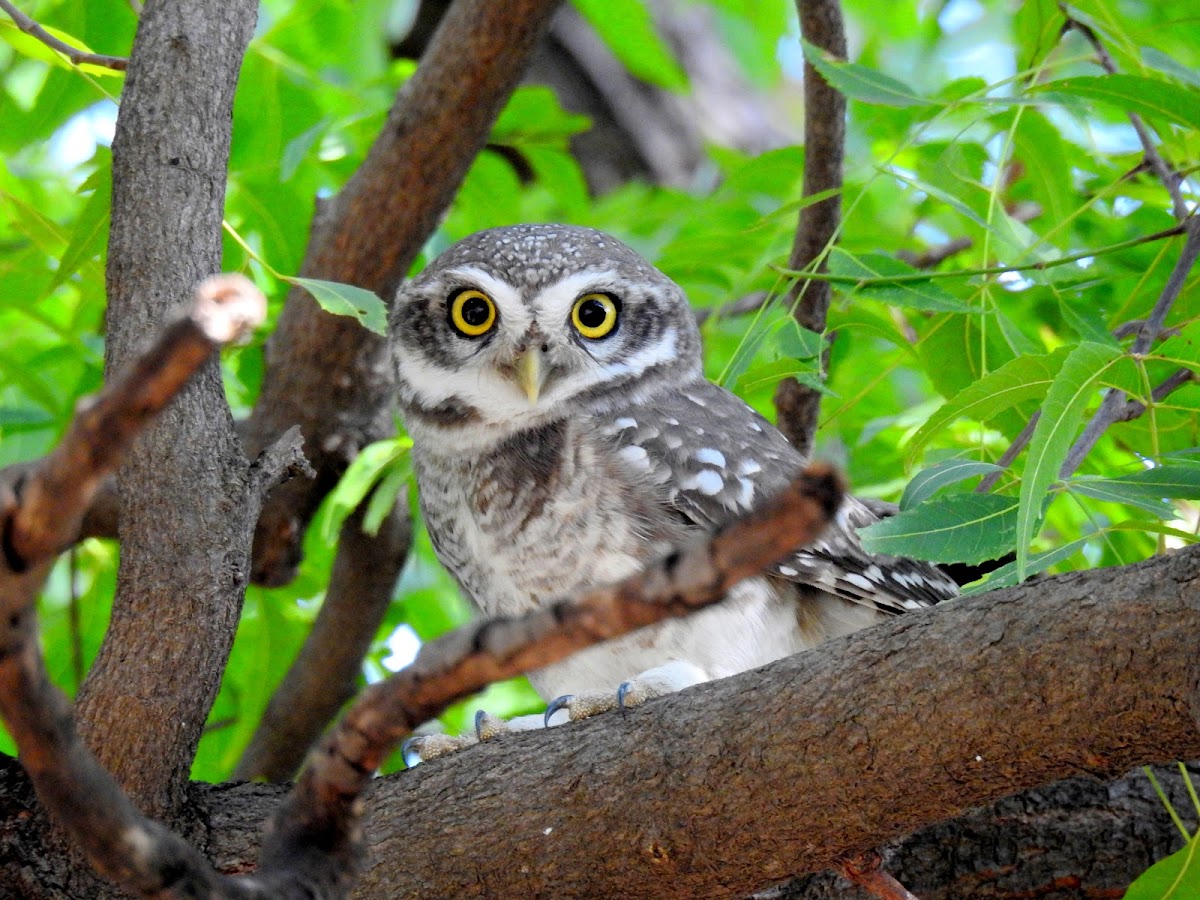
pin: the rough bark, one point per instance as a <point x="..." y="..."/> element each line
<point x="830" y="752"/>
<point x="187" y="501"/>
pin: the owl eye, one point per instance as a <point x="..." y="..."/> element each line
<point x="472" y="313"/>
<point x="595" y="315"/>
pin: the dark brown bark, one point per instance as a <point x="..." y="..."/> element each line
<point x="724" y="789"/>
<point x="824" y="146"/>
<point x="187" y="503"/>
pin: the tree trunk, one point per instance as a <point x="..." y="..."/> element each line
<point x="187" y="502"/>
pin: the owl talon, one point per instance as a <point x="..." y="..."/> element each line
<point x="421" y="748"/>
<point x="555" y="705"/>
<point x="622" y="692"/>
<point x="408" y="753"/>
<point x="488" y="726"/>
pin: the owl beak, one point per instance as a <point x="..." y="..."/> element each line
<point x="530" y="374"/>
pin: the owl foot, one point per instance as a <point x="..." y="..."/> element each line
<point x="665" y="679"/>
<point x="424" y="747"/>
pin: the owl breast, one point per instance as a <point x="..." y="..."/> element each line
<point x="542" y="515"/>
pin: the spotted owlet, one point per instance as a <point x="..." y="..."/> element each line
<point x="564" y="435"/>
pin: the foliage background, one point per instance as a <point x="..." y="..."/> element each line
<point x="967" y="120"/>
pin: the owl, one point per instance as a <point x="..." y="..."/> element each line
<point x="564" y="436"/>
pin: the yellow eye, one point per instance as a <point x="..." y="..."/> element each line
<point x="594" y="315"/>
<point x="472" y="313"/>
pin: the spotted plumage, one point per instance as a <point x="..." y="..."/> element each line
<point x="564" y="435"/>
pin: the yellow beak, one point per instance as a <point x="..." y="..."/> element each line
<point x="530" y="374"/>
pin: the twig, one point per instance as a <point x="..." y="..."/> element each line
<point x="866" y="871"/>
<point x="1037" y="266"/>
<point x="821" y="25"/>
<point x="935" y="256"/>
<point x="1114" y="405"/>
<point x="74" y="54"/>
<point x="752" y="302"/>
<point x="1170" y="178"/>
<point x="1014" y="450"/>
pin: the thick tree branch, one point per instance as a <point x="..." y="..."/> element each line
<point x="188" y="497"/>
<point x="824" y="146"/>
<point x="76" y="56"/>
<point x="324" y="372"/>
<point x="822" y="755"/>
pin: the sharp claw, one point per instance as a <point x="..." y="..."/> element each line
<point x="410" y="756"/>
<point x="555" y="705"/>
<point x="480" y="717"/>
<point x="622" y="691"/>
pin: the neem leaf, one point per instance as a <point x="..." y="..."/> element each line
<point x="347" y="300"/>
<point x="1073" y="387"/>
<point x="861" y="83"/>
<point x="970" y="528"/>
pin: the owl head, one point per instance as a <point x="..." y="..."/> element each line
<point x="515" y="326"/>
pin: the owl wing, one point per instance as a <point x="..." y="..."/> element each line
<point x="716" y="458"/>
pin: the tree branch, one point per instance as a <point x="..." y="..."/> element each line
<point x="1169" y="178"/>
<point x="824" y="146"/>
<point x="1115" y="407"/>
<point x="73" y="54"/>
<point x="145" y="700"/>
<point x="823" y="755"/>
<point x="328" y="669"/>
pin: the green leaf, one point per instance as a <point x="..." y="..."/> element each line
<point x="1150" y="97"/>
<point x="347" y="300"/>
<point x="928" y="482"/>
<point x="1175" y="878"/>
<point x="1112" y="491"/>
<point x="628" y="30"/>
<point x="384" y="497"/>
<point x="1157" y="59"/>
<point x="91" y="228"/>
<point x="923" y="295"/>
<point x="1147" y="489"/>
<point x="858" y="82"/>
<point x="1020" y="379"/>
<point x="970" y="528"/>
<point x="1006" y="575"/>
<point x="533" y="115"/>
<point x="1073" y="387"/>
<point x="1183" y="348"/>
<point x="361" y="475"/>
